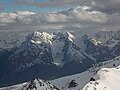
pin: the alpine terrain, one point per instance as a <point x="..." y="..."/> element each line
<point x="51" y="55"/>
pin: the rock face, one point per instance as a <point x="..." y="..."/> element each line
<point x="50" y="55"/>
<point x="73" y="83"/>
<point x="4" y="55"/>
<point x="116" y="49"/>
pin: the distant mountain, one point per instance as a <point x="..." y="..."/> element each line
<point x="51" y="55"/>
<point x="110" y="39"/>
<point x="93" y="48"/>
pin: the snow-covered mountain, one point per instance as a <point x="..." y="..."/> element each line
<point x="103" y="36"/>
<point x="51" y="55"/>
<point x="109" y="38"/>
<point x="93" y="47"/>
<point x="53" y="52"/>
<point x="35" y="84"/>
<point x="56" y="48"/>
<point x="102" y="76"/>
<point x="11" y="39"/>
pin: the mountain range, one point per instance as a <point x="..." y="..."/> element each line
<point x="51" y="55"/>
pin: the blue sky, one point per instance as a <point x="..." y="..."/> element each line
<point x="30" y="5"/>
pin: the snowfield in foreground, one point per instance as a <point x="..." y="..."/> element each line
<point x="105" y="79"/>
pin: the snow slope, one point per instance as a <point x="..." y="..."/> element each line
<point x="105" y="79"/>
<point x="36" y="84"/>
<point x="83" y="78"/>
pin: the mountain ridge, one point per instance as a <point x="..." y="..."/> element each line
<point x="56" y="53"/>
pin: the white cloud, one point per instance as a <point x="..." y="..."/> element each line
<point x="72" y="18"/>
<point x="6" y="18"/>
<point x="85" y="14"/>
<point x="9" y="18"/>
<point x="25" y="13"/>
<point x="78" y="14"/>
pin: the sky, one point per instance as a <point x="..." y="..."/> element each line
<point x="59" y="15"/>
<point x="29" y="5"/>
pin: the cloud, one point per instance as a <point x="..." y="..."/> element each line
<point x="72" y="18"/>
<point x="71" y="15"/>
<point x="10" y="18"/>
<point x="86" y="14"/>
<point x="38" y="3"/>
<point x="77" y="18"/>
<point x="53" y="3"/>
<point x="107" y="6"/>
<point x="73" y="2"/>
<point x="1" y="6"/>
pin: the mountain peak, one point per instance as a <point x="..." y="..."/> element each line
<point x="38" y="84"/>
<point x="95" y="42"/>
<point x="39" y="37"/>
<point x="70" y="36"/>
<point x="63" y="36"/>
